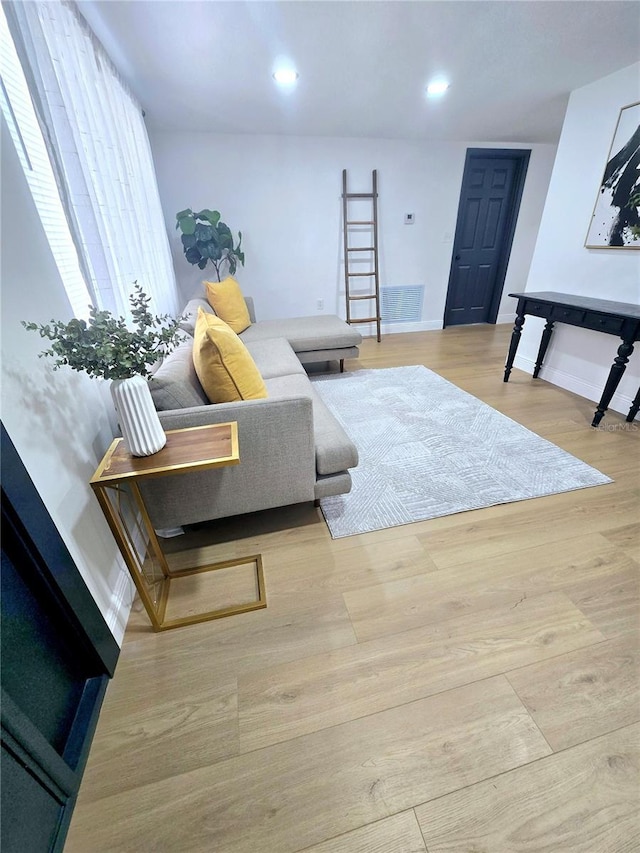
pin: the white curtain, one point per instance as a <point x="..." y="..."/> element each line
<point x="99" y="143"/>
<point x="23" y="125"/>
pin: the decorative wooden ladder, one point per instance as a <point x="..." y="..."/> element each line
<point x="373" y="250"/>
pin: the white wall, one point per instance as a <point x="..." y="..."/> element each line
<point x="284" y="194"/>
<point x="60" y="422"/>
<point x="578" y="359"/>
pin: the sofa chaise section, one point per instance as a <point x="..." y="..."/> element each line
<point x="321" y="338"/>
<point x="313" y="339"/>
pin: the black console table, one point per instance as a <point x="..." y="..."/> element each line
<point x="600" y="315"/>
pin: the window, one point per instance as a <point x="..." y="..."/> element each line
<point x="19" y="113"/>
<point x="102" y="156"/>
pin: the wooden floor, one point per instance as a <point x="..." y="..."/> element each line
<point x="468" y="684"/>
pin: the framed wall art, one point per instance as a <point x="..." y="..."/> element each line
<point x="615" y="223"/>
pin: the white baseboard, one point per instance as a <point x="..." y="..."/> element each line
<point x="124" y="590"/>
<point x="121" y="601"/>
<point x="506" y="318"/>
<point x="620" y="403"/>
<point x="368" y="330"/>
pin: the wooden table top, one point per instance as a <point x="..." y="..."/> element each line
<point x="192" y="449"/>
<point x="589" y="303"/>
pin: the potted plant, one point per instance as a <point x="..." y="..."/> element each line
<point x="206" y="238"/>
<point x="105" y="347"/>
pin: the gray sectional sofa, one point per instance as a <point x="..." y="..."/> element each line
<point x="292" y="449"/>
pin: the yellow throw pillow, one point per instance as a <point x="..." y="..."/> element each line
<point x="223" y="364"/>
<point x="226" y="299"/>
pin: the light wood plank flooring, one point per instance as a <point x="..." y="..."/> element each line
<point x="469" y="684"/>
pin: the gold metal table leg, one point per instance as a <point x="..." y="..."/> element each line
<point x="156" y="605"/>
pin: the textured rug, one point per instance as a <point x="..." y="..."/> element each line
<point x="429" y="449"/>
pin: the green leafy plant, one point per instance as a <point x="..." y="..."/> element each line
<point x="105" y="347"/>
<point x="205" y="238"/>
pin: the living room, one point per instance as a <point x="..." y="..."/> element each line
<point x="283" y="191"/>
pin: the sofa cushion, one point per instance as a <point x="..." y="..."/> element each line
<point x="223" y="364"/>
<point x="226" y="299"/>
<point x="274" y="358"/>
<point x="306" y="333"/>
<point x="175" y="384"/>
<point x="334" y="449"/>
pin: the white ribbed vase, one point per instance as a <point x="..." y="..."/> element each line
<point x="139" y="421"/>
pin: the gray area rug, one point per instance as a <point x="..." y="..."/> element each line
<point x="429" y="449"/>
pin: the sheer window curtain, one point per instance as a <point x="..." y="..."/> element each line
<point x="100" y="146"/>
<point x="24" y="128"/>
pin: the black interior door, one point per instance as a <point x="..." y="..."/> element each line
<point x="489" y="201"/>
<point x="57" y="656"/>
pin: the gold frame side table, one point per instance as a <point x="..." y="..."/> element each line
<point x="115" y="484"/>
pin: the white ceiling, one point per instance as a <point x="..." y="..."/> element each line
<point x="206" y="65"/>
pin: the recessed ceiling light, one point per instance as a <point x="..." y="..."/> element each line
<point x="285" y="76"/>
<point x="438" y="87"/>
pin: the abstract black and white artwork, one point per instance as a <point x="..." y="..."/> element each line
<point x="615" y="223"/>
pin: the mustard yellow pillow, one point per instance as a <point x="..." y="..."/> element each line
<point x="226" y="299"/>
<point x="223" y="364"/>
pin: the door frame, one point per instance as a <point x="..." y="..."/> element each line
<point x="64" y="593"/>
<point x="521" y="155"/>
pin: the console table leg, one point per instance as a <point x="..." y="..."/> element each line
<point x="513" y="346"/>
<point x="635" y="407"/>
<point x="615" y="375"/>
<point x="544" y="343"/>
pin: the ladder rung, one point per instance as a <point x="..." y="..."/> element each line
<point x="354" y="274"/>
<point x="361" y="195"/>
<point x="371" y="296"/>
<point x="363" y="249"/>
<point x="361" y="222"/>
<point x="365" y="320"/>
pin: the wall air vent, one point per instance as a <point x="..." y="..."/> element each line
<point x="402" y="304"/>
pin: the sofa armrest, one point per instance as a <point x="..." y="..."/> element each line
<point x="277" y="463"/>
